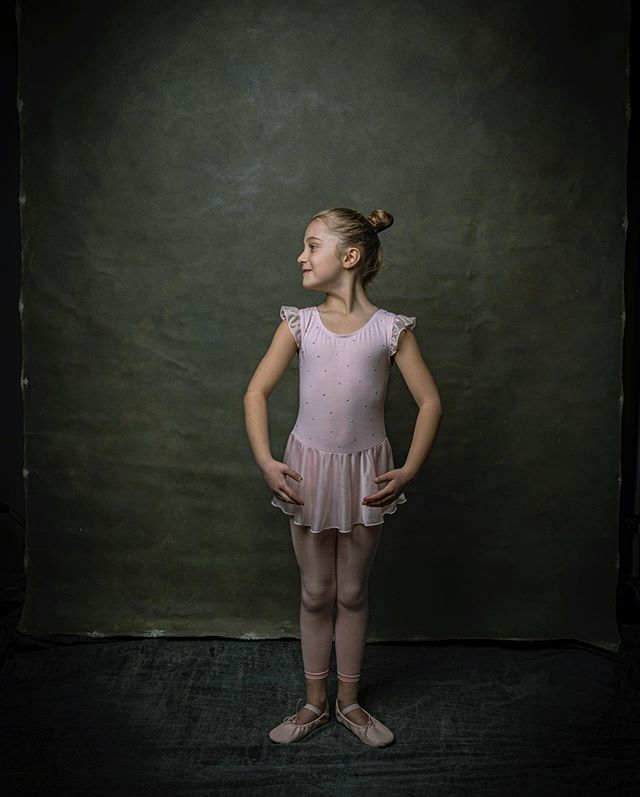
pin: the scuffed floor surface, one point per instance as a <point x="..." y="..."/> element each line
<point x="191" y="716"/>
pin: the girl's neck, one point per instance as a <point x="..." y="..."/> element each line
<point x="356" y="306"/>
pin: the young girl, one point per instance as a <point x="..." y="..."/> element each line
<point x="338" y="457"/>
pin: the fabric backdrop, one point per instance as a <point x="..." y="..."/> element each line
<point x="172" y="155"/>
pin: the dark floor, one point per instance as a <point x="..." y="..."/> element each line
<point x="191" y="717"/>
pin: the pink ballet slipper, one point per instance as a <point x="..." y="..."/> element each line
<point x="374" y="733"/>
<point x="290" y="730"/>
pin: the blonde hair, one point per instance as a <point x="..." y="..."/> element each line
<point x="353" y="229"/>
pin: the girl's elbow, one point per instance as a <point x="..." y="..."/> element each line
<point x="433" y="405"/>
<point x="252" y="393"/>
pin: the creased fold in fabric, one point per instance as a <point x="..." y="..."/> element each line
<point x="400" y="322"/>
<point x="292" y="316"/>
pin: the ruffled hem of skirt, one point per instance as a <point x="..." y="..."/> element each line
<point x="386" y="510"/>
<point x="346" y="478"/>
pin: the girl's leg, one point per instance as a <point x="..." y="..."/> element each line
<point x="355" y="554"/>
<point x="316" y="557"/>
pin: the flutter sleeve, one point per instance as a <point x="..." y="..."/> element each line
<point x="400" y="322"/>
<point x="292" y="316"/>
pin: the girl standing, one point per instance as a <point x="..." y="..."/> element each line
<point x="338" y="457"/>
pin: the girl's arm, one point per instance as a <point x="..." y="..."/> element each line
<point x="425" y="393"/>
<point x="266" y="377"/>
<point x="269" y="372"/>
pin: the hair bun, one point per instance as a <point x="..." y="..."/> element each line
<point x="380" y="220"/>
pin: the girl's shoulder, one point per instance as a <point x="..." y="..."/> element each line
<point x="404" y="318"/>
<point x="297" y="309"/>
<point x="289" y="311"/>
<point x="399" y="320"/>
<point x="391" y="314"/>
<point x="297" y="319"/>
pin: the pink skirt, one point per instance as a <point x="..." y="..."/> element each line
<point x="333" y="486"/>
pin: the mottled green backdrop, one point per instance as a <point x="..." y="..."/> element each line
<point x="172" y="154"/>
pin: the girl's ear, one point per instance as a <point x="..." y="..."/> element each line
<point x="353" y="255"/>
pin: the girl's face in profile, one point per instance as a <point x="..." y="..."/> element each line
<point x="319" y="260"/>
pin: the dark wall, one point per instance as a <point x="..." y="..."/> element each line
<point x="172" y="155"/>
<point x="11" y="437"/>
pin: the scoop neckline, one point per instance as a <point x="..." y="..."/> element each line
<point x="344" y="334"/>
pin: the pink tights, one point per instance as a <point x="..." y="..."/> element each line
<point x="334" y="570"/>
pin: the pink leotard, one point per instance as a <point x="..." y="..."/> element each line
<point x="339" y="442"/>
